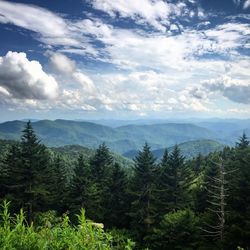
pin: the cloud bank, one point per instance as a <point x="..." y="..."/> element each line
<point x="24" y="79"/>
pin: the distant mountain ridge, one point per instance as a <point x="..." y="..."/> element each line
<point x="188" y="149"/>
<point x="121" y="139"/>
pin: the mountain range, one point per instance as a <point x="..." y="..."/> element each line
<point x="199" y="136"/>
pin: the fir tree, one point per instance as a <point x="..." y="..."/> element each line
<point x="164" y="189"/>
<point x="12" y="179"/>
<point x="79" y="188"/>
<point x="243" y="142"/>
<point x="177" y="177"/>
<point x="58" y="184"/>
<point x="143" y="189"/>
<point x="117" y="205"/>
<point x="100" y="176"/>
<point x="33" y="172"/>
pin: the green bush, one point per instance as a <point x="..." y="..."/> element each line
<point x="177" y="230"/>
<point x="56" y="234"/>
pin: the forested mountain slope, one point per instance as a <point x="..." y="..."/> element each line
<point x="188" y="149"/>
<point x="157" y="205"/>
<point x="120" y="140"/>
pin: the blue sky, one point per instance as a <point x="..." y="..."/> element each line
<point x="124" y="59"/>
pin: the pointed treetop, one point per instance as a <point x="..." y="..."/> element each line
<point x="165" y="157"/>
<point x="243" y="142"/>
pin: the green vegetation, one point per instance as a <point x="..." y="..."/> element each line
<point x="173" y="203"/>
<point x="192" y="149"/>
<point x="56" y="233"/>
<point x="120" y="140"/>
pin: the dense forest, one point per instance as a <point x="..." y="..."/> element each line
<point x="51" y="201"/>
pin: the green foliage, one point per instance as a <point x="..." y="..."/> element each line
<point x="243" y="142"/>
<point x="143" y="188"/>
<point x="191" y="149"/>
<point x="117" y="204"/>
<point x="59" y="234"/>
<point x="163" y="205"/>
<point x="177" y="230"/>
<point x="119" y="140"/>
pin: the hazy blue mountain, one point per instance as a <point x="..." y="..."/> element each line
<point x="189" y="149"/>
<point x="71" y="152"/>
<point x="127" y="138"/>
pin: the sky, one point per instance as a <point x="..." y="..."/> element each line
<point x="124" y="59"/>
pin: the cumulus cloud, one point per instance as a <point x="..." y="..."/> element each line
<point x="85" y="81"/>
<point x="65" y="66"/>
<point x="132" y="49"/>
<point x="197" y="93"/>
<point x="246" y="4"/>
<point x="158" y="64"/>
<point x="233" y="89"/>
<point x="24" y="79"/>
<point x="145" y="92"/>
<point x="62" y="63"/>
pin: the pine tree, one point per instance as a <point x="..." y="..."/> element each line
<point x="164" y="161"/>
<point x="143" y="189"/>
<point x="100" y="176"/>
<point x="117" y="205"/>
<point x="12" y="178"/>
<point x="36" y="163"/>
<point x="243" y="142"/>
<point x="58" y="184"/>
<point x="238" y="200"/>
<point x="79" y="187"/>
<point x="164" y="188"/>
<point x="177" y="176"/>
<point x="101" y="163"/>
<point x="33" y="172"/>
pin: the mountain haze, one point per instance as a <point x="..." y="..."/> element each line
<point x="130" y="138"/>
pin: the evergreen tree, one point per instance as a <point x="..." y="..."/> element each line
<point x="100" y="176"/>
<point x="79" y="188"/>
<point x="118" y="204"/>
<point x="164" y="188"/>
<point x="164" y="161"/>
<point x="12" y="184"/>
<point x="238" y="221"/>
<point x="28" y="173"/>
<point x="101" y="164"/>
<point x="143" y="189"/>
<point x="243" y="142"/>
<point x="177" y="176"/>
<point x="58" y="184"/>
<point x="177" y="230"/>
<point x="36" y="163"/>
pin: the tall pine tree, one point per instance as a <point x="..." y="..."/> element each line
<point x="143" y="192"/>
<point x="31" y="171"/>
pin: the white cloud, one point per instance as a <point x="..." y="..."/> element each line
<point x="24" y="79"/>
<point x="86" y="83"/>
<point x="134" y="49"/>
<point x="67" y="67"/>
<point x="62" y="63"/>
<point x="159" y="66"/>
<point x="246" y="4"/>
<point x="236" y="90"/>
<point x="156" y="13"/>
<point x="50" y="28"/>
<point x="38" y="19"/>
<point x="4" y="91"/>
